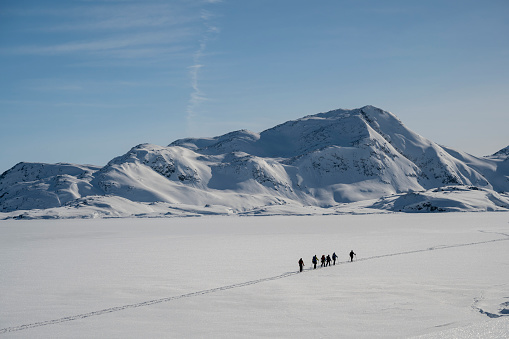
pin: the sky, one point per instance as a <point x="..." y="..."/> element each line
<point x="83" y="81"/>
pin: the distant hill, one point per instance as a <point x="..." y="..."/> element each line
<point x="343" y="161"/>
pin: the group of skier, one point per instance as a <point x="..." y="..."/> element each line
<point x="325" y="260"/>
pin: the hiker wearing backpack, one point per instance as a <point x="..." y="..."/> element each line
<point x="334" y="257"/>
<point x="314" y="261"/>
<point x="328" y="261"/>
<point x="301" y="264"/>
<point x="351" y="255"/>
<point x="322" y="260"/>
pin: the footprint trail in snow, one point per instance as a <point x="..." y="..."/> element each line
<point x="228" y="287"/>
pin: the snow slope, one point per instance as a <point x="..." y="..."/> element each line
<point x="37" y="186"/>
<point x="428" y="276"/>
<point x="318" y="162"/>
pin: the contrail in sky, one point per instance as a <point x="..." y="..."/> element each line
<point x="197" y="96"/>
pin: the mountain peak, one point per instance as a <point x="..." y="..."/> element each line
<point x="321" y="160"/>
<point x="503" y="153"/>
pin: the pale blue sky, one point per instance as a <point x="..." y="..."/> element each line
<point x="83" y="81"/>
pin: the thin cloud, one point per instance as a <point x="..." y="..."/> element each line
<point x="107" y="45"/>
<point x="126" y="17"/>
<point x="197" y="96"/>
<point x="107" y="31"/>
<point x="107" y="16"/>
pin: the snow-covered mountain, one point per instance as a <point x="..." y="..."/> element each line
<point x="317" y="163"/>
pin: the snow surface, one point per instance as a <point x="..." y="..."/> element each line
<point x="415" y="275"/>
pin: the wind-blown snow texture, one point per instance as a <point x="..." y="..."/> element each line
<point x="361" y="160"/>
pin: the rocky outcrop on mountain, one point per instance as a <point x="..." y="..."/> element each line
<point x="29" y="186"/>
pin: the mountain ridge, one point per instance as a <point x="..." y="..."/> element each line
<point x="322" y="161"/>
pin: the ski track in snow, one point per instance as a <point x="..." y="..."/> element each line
<point x="229" y="287"/>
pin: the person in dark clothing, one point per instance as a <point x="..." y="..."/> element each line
<point x="328" y="261"/>
<point x="314" y="261"/>
<point x="322" y="260"/>
<point x="351" y="255"/>
<point x="301" y="264"/>
<point x="334" y="257"/>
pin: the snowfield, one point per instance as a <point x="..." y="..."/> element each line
<point x="442" y="275"/>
